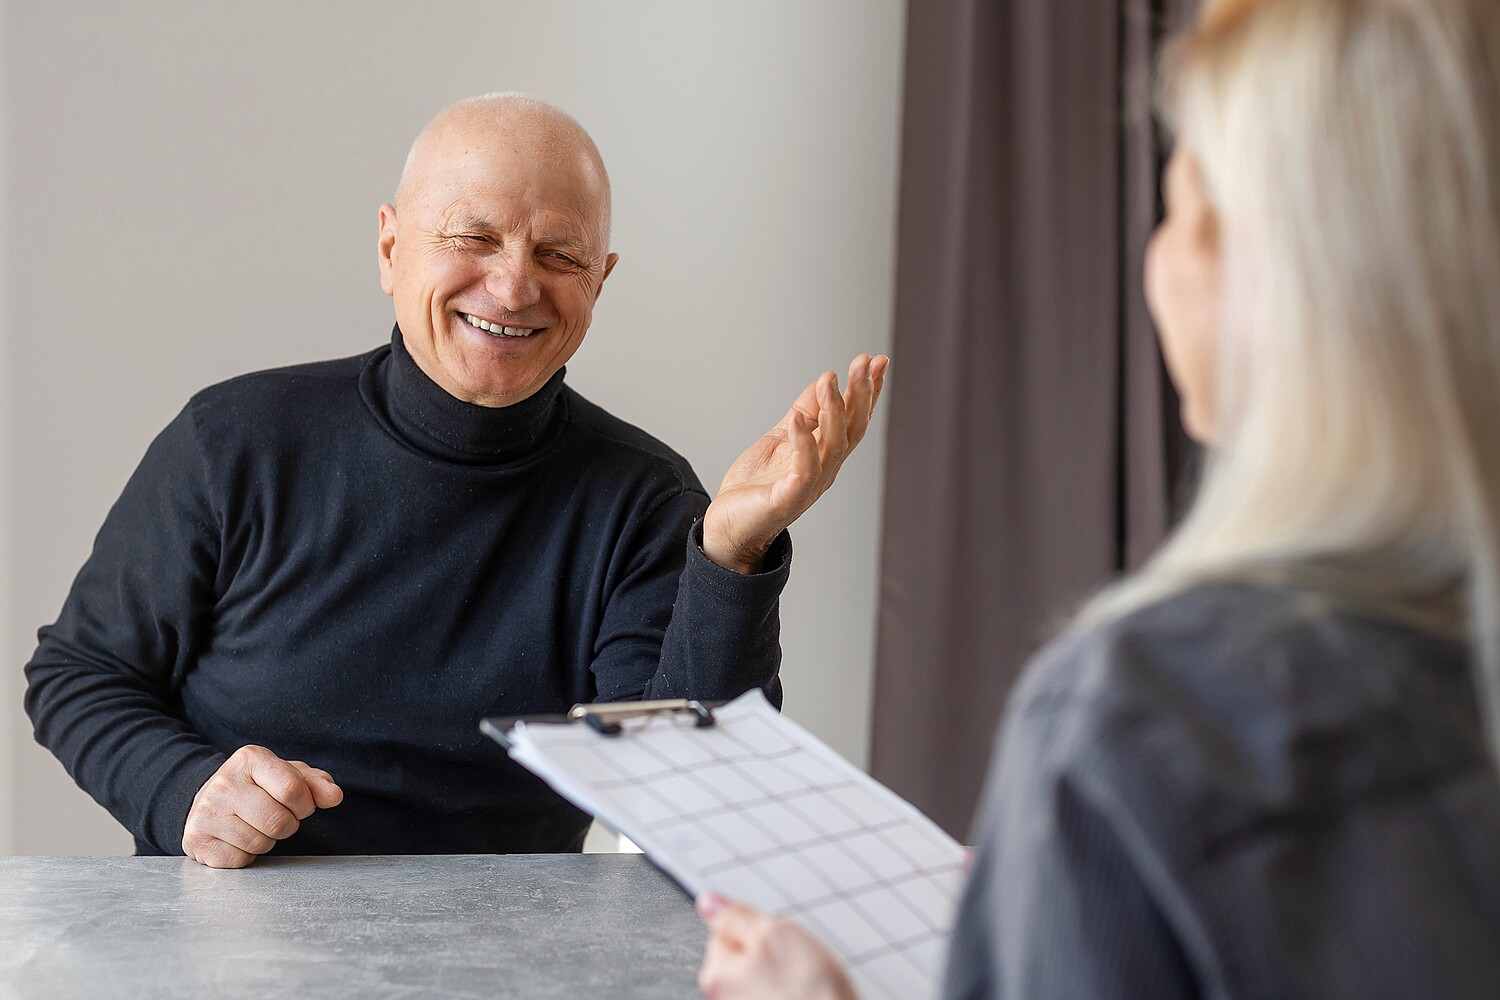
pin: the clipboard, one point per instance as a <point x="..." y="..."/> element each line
<point x="737" y="799"/>
<point x="606" y="718"/>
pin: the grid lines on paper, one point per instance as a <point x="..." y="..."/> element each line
<point x="755" y="816"/>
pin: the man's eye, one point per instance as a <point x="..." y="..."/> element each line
<point x="560" y="257"/>
<point x="469" y="241"/>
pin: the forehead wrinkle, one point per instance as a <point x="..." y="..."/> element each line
<point x="543" y="131"/>
<point x="461" y="216"/>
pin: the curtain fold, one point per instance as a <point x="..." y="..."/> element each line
<point x="1034" y="441"/>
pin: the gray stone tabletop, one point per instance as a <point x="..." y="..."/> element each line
<point x="523" y="926"/>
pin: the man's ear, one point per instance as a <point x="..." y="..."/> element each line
<point x="386" y="247"/>
<point x="609" y="265"/>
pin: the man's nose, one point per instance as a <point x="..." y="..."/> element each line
<point x="513" y="282"/>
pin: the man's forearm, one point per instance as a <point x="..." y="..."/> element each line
<point x="121" y="744"/>
<point x="725" y="633"/>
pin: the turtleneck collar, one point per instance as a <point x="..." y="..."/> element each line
<point x="426" y="416"/>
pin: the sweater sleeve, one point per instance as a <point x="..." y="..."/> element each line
<point x="680" y="626"/>
<point x="101" y="684"/>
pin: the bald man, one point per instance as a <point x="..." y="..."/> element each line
<point x="320" y="578"/>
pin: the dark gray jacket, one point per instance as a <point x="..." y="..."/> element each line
<point x="1239" y="792"/>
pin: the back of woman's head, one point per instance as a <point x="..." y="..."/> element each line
<point x="1351" y="152"/>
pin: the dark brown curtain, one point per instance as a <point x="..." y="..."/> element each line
<point x="1034" y="441"/>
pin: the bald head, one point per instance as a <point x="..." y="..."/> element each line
<point x="532" y="128"/>
<point x="497" y="246"/>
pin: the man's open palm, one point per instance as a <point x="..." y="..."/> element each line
<point x="783" y="474"/>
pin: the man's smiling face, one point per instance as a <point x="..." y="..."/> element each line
<point x="496" y="249"/>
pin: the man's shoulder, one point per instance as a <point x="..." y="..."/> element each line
<point x="311" y="383"/>
<point x="271" y="411"/>
<point x="608" y="435"/>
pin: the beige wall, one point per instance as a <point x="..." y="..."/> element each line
<point x="10" y="680"/>
<point x="189" y="192"/>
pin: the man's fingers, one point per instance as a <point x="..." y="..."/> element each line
<point x="217" y="854"/>
<point x="284" y="782"/>
<point x="833" y="422"/>
<point x="859" y="378"/>
<point x="866" y="380"/>
<point x="878" y="368"/>
<point x="859" y="395"/>
<point x="242" y="836"/>
<point x="806" y="402"/>
<point x="325" y="791"/>
<point x="256" y="807"/>
<point x="791" y="492"/>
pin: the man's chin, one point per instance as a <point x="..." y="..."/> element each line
<point x="492" y="389"/>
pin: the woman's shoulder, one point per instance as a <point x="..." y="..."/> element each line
<point x="1204" y="629"/>
<point x="1230" y="647"/>
<point x="1232" y="705"/>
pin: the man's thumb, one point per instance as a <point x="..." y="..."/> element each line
<point x="326" y="794"/>
<point x="325" y="791"/>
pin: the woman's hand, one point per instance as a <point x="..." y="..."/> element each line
<point x="751" y="955"/>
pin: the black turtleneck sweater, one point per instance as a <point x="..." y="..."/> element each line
<point x="345" y="564"/>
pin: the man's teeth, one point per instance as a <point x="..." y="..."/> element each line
<point x="497" y="329"/>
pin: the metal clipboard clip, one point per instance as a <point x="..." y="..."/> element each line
<point x="606" y="718"/>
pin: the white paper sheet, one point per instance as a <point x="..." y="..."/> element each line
<point x="758" y="809"/>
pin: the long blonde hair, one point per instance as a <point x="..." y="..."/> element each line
<point x="1352" y="151"/>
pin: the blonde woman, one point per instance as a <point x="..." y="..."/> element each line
<point x="1264" y="766"/>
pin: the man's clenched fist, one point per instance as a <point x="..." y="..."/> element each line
<point x="253" y="800"/>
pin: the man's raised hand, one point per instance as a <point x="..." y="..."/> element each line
<point x="783" y="474"/>
<point x="253" y="800"/>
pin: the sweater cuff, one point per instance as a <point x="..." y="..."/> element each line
<point x="172" y="799"/>
<point x="745" y="590"/>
